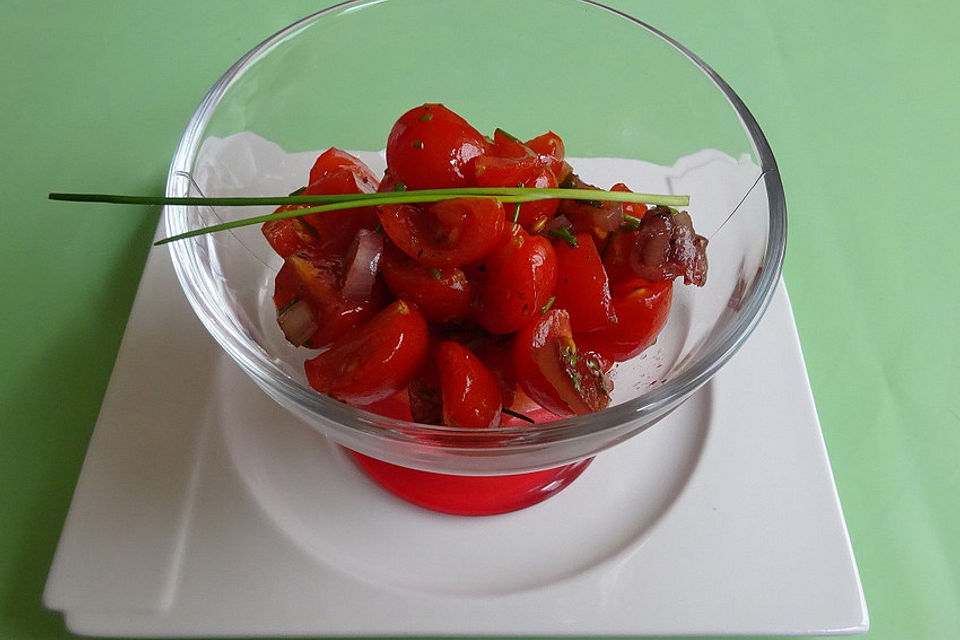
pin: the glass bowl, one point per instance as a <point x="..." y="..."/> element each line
<point x="631" y="104"/>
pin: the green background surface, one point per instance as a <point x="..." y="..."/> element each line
<point x="859" y="101"/>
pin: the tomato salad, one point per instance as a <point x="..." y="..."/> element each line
<point x="467" y="312"/>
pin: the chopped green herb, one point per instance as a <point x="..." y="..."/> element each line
<point x="563" y="233"/>
<point x="424" y="117"/>
<point x="517" y="414"/>
<point x="547" y="306"/>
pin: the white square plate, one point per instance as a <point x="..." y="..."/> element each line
<point x="205" y="510"/>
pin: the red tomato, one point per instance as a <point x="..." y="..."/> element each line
<point x="469" y="391"/>
<point x="516" y="280"/>
<point x="431" y="147"/>
<point x="310" y="274"/>
<point x="334" y="160"/>
<point x="288" y="235"/>
<point x="616" y="254"/>
<point x="373" y="360"/>
<point x="449" y="233"/>
<point x="337" y="229"/>
<point x="553" y="372"/>
<point x="509" y="163"/>
<point x="642" y="309"/>
<point x="582" y="286"/>
<point x="441" y="294"/>
<point x="634" y="209"/>
<point x="549" y="148"/>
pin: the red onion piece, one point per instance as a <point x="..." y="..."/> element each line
<point x="297" y="322"/>
<point x="362" y="267"/>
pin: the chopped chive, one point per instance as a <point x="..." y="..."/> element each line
<point x="516" y="212"/>
<point x="547" y="306"/>
<point x="563" y="233"/>
<point x="630" y="222"/>
<point x="336" y="202"/>
<point x="517" y="414"/>
<point x="436" y="273"/>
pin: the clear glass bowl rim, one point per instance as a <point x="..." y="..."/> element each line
<point x="307" y="402"/>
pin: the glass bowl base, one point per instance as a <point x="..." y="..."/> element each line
<point x="469" y="495"/>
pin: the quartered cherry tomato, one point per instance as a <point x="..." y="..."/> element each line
<point x="549" y="148"/>
<point x="431" y="147"/>
<point x="449" y="233"/>
<point x="510" y="163"/>
<point x="582" y="286"/>
<point x="469" y="391"/>
<point x="553" y="372"/>
<point x="334" y="160"/>
<point x="374" y="360"/>
<point x="516" y="280"/>
<point x="311" y="275"/>
<point x="642" y="308"/>
<point x="288" y="235"/>
<point x="442" y="294"/>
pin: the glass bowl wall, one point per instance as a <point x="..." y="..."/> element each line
<point x="610" y="85"/>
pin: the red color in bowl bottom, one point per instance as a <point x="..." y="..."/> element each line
<point x="469" y="495"/>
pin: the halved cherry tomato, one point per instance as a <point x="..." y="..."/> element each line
<point x="582" y="286"/>
<point x="288" y="235"/>
<point x="311" y="274"/>
<point x="373" y="360"/>
<point x="337" y="229"/>
<point x="549" y="148"/>
<point x="449" y="233"/>
<point x="596" y="217"/>
<point x="469" y="391"/>
<point x="510" y="163"/>
<point x="642" y="309"/>
<point x="633" y="209"/>
<point x="441" y="294"/>
<point x="616" y="254"/>
<point x="516" y="280"/>
<point x="334" y="160"/>
<point x="553" y="372"/>
<point x="431" y="147"/>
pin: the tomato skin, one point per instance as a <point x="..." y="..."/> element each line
<point x="288" y="235"/>
<point x="517" y="280"/>
<point x="374" y="360"/>
<point x="510" y="163"/>
<point x="552" y="371"/>
<point x="582" y="285"/>
<point x="642" y="309"/>
<point x="442" y="294"/>
<point x="431" y="147"/>
<point x="549" y="148"/>
<point x="470" y="393"/>
<point x="337" y="229"/>
<point x="449" y="233"/>
<point x="311" y="274"/>
<point x="334" y="160"/>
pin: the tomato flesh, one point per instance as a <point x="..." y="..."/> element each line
<point x="442" y="294"/>
<point x="582" y="285"/>
<point x="470" y="393"/>
<point x="553" y="372"/>
<point x="517" y="280"/>
<point x="642" y="308"/>
<point x="375" y="359"/>
<point x="449" y="233"/>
